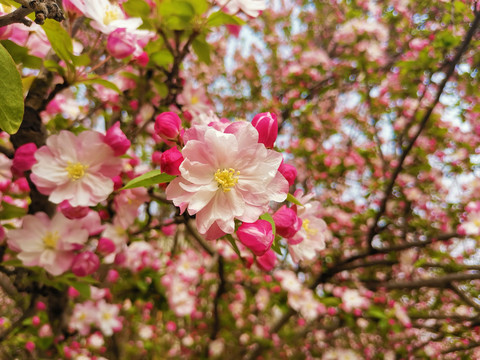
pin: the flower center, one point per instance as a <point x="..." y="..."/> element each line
<point x="226" y="178"/>
<point x="50" y="240"/>
<point x="106" y="316"/>
<point x="194" y="100"/>
<point x="111" y="14"/>
<point x="308" y="230"/>
<point x="76" y="171"/>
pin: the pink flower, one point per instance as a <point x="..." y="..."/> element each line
<point x="85" y="263"/>
<point x="105" y="246"/>
<point x="121" y="43"/>
<point x="117" y="140"/>
<point x="226" y="176"/>
<point x="107" y="318"/>
<point x="257" y="236"/>
<point x="50" y="244"/>
<point x="168" y="125"/>
<point x="312" y="236"/>
<point x="267" y="127"/>
<point x="289" y="172"/>
<point x="267" y="261"/>
<point x="76" y="168"/>
<point x="170" y="161"/>
<point x="252" y="8"/>
<point x="287" y="222"/>
<point x="24" y="158"/>
<point x="71" y="212"/>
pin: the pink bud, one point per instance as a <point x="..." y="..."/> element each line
<point x="71" y="212"/>
<point x="142" y="59"/>
<point x="156" y="156"/>
<point x="289" y="172"/>
<point x="72" y="292"/>
<point x="267" y="127"/>
<point x="35" y="320"/>
<point x="168" y="125"/>
<point x="287" y="222"/>
<point x="171" y="326"/>
<point x="170" y="161"/>
<point x="24" y="158"/>
<point x="117" y="140"/>
<point x="105" y="246"/>
<point x="257" y="236"/>
<point x="267" y="261"/>
<point x="30" y="346"/>
<point x="85" y="263"/>
<point x="41" y="305"/>
<point x="112" y="275"/>
<point x="121" y="43"/>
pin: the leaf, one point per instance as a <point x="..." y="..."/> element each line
<point x="269" y="218"/>
<point x="148" y="179"/>
<point x="232" y="242"/>
<point x="20" y="55"/>
<point x="60" y="40"/>
<point x="138" y="8"/>
<point x="202" y="49"/>
<point x="82" y="288"/>
<point x="162" y="58"/>
<point x="11" y="94"/>
<point x="220" y="18"/>
<point x="200" y="6"/>
<point x="106" y="83"/>
<point x="293" y="200"/>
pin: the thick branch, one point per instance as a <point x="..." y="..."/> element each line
<point x="17" y="16"/>
<point x="434" y="282"/>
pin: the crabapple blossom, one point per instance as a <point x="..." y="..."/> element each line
<point x="170" y="161"/>
<point x="76" y="168"/>
<point x="257" y="236"/>
<point x="252" y="8"/>
<point x="226" y="176"/>
<point x="50" y="244"/>
<point x="168" y="125"/>
<point x="267" y="126"/>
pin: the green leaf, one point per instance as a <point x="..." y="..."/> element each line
<point x="151" y="178"/>
<point x="10" y="211"/>
<point x="200" y="6"/>
<point x="293" y="200"/>
<point x="82" y="288"/>
<point x="162" y="58"/>
<point x="106" y="83"/>
<point x="377" y="313"/>
<point x="220" y="18"/>
<point x="269" y="218"/>
<point x="60" y="40"/>
<point x="231" y="240"/>
<point x="20" y="55"/>
<point x="136" y="8"/>
<point x="51" y="65"/>
<point x="176" y="15"/>
<point x="202" y="49"/>
<point x="11" y="94"/>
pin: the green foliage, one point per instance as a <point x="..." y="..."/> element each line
<point x="11" y="94"/>
<point x="153" y="177"/>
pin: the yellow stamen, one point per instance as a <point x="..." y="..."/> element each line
<point x="308" y="230"/>
<point x="76" y="171"/>
<point x="111" y="14"/>
<point x="226" y="178"/>
<point x="194" y="100"/>
<point x="106" y="316"/>
<point x="50" y="240"/>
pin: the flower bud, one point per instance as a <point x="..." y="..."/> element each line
<point x="105" y="246"/>
<point x="71" y="212"/>
<point x="289" y="172"/>
<point x="117" y="140"/>
<point x="170" y="161"/>
<point x="120" y="43"/>
<point x="257" y="236"/>
<point x="168" y="125"/>
<point x="267" y="261"/>
<point x="85" y="263"/>
<point x="24" y="158"/>
<point x="287" y="222"/>
<point x="267" y="127"/>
